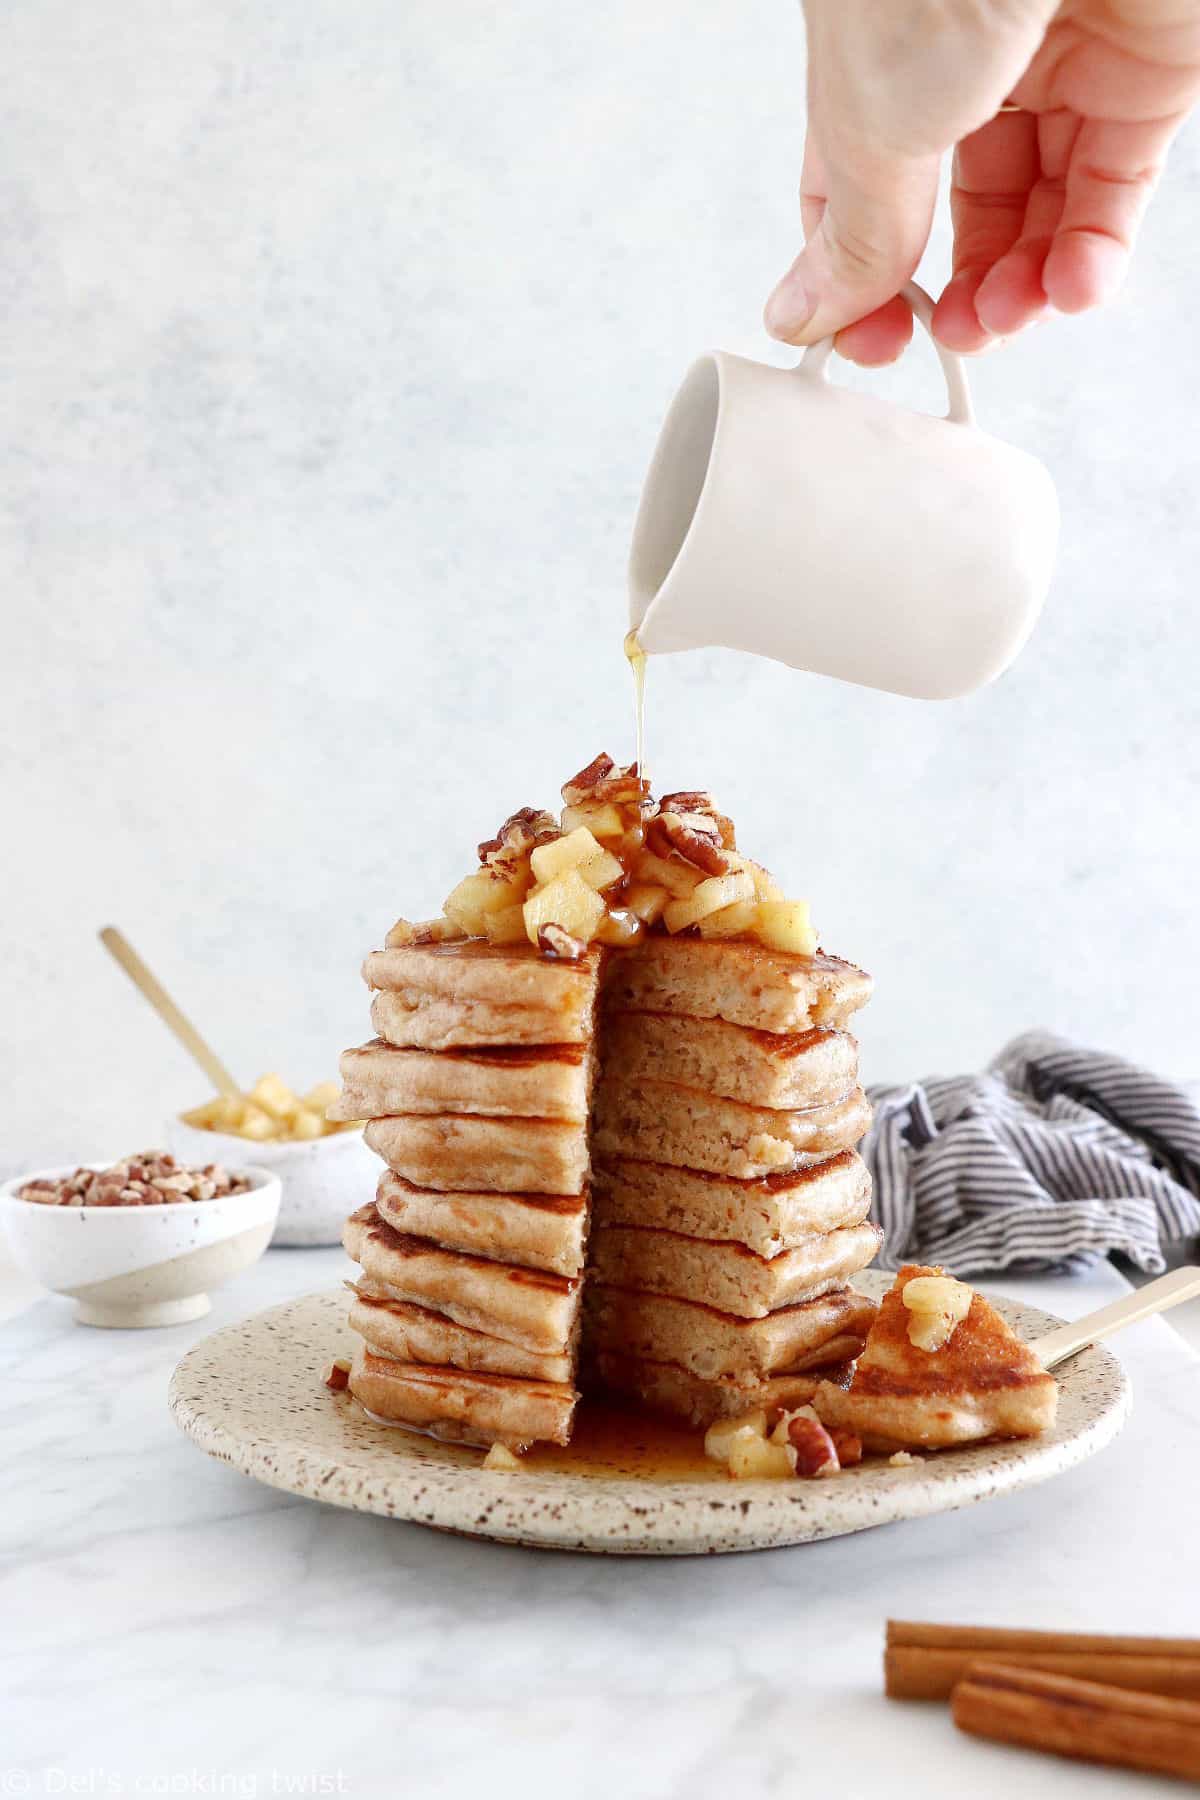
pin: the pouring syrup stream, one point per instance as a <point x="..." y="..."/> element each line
<point x="637" y="662"/>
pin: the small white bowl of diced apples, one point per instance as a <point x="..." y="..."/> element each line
<point x="325" y="1169"/>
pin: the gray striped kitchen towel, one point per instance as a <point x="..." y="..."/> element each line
<point x="1054" y="1157"/>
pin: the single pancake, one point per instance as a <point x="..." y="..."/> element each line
<point x="446" y="996"/>
<point x="416" y="1334"/>
<point x="728" y="1276"/>
<point x="459" y="1406"/>
<point x="664" y="1387"/>
<point x="706" y="978"/>
<point x="659" y="1121"/>
<point x="530" y="1081"/>
<point x="524" y="1306"/>
<point x="719" y="1345"/>
<point x="769" y="1214"/>
<point x="761" y="1068"/>
<point x="469" y="1154"/>
<point x="535" y="1231"/>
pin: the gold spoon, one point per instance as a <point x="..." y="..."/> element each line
<point x="123" y="952"/>
<point x="1066" y="1340"/>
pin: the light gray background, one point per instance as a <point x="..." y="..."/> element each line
<point x="335" y="340"/>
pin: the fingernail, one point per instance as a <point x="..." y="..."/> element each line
<point x="789" y="308"/>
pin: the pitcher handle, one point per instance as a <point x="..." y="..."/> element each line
<point x="813" y="363"/>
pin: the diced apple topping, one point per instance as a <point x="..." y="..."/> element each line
<point x="614" y="866"/>
<point x="567" y="901"/>
<point x="603" y="821"/>
<point x="719" y="1437"/>
<point x="938" y="1305"/>
<point x="754" y="1458"/>
<point x="661" y="871"/>
<point x="506" y="926"/>
<point x="549" y="860"/>
<point x="764" y="887"/>
<point x="646" y="901"/>
<point x="620" y="928"/>
<point x="501" y="1461"/>
<point x="602" y="871"/>
<point x="737" y="920"/>
<point x="488" y="891"/>
<point x="710" y="896"/>
<point x="785" y="925"/>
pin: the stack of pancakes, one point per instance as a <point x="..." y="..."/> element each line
<point x="730" y="1206"/>
<point x="477" y="1089"/>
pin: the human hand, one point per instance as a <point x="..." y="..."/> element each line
<point x="1046" y="199"/>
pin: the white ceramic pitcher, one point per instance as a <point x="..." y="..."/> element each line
<point x="837" y="532"/>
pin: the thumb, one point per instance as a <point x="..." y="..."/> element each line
<point x="874" y="219"/>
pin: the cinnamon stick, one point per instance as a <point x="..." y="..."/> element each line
<point x="1085" y="1720"/>
<point x="982" y="1637"/>
<point x="924" y="1661"/>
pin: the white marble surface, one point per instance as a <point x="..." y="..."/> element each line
<point x="170" y="1622"/>
<point x="336" y="338"/>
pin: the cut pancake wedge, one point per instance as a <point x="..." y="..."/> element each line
<point x="983" y="1383"/>
<point x="720" y="1345"/>
<point x="761" y="1068"/>
<point x="728" y="1276"/>
<point x="770" y="1214"/>
<point x="659" y="1121"/>
<point x="462" y="1406"/>
<point x="535" y="1231"/>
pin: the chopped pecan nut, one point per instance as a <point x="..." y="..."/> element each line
<point x="670" y="832"/>
<point x="337" y="1375"/>
<point x="624" y="787"/>
<point x="152" y="1178"/>
<point x="581" y="786"/>
<point x="424" y="931"/>
<point x="815" y="1451"/>
<point x="522" y="830"/>
<point x="553" y="941"/>
<point x="604" y="784"/>
<point x="688" y="800"/>
<point x="847" y="1444"/>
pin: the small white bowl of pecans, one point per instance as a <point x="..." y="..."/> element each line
<point x="142" y="1240"/>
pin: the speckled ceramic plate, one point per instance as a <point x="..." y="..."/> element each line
<point x="252" y="1395"/>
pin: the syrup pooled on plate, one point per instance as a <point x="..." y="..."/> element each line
<point x="613" y="1440"/>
